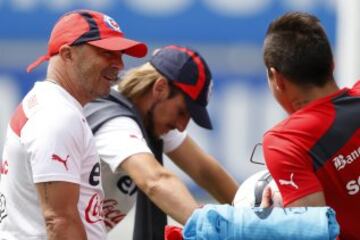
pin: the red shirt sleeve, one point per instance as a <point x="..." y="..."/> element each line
<point x="291" y="167"/>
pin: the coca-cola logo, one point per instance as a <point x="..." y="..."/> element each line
<point x="112" y="215"/>
<point x="93" y="211"/>
<point x="4" y="167"/>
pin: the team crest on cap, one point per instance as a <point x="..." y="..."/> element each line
<point x="111" y="23"/>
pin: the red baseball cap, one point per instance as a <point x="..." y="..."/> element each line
<point x="91" y="27"/>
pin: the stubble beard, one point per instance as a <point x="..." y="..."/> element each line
<point x="149" y="122"/>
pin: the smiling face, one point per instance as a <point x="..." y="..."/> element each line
<point x="168" y="114"/>
<point x="95" y="70"/>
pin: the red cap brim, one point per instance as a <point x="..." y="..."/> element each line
<point x="37" y="62"/>
<point x="129" y="47"/>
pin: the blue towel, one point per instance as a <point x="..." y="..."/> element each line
<point x="220" y="222"/>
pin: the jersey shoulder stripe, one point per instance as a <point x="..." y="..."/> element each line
<point x="18" y="120"/>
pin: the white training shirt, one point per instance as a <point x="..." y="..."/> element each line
<point x="116" y="140"/>
<point x="48" y="139"/>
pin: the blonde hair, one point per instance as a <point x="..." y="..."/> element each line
<point x="137" y="81"/>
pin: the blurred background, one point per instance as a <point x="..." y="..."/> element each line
<point x="228" y="33"/>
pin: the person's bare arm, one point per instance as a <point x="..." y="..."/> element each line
<point x="205" y="170"/>
<point x="58" y="201"/>
<point x="312" y="200"/>
<point x="316" y="199"/>
<point x="160" y="185"/>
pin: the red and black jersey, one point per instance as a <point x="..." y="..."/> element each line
<point x="317" y="149"/>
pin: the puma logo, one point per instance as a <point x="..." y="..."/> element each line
<point x="59" y="159"/>
<point x="289" y="182"/>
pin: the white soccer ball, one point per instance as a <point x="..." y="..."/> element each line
<point x="250" y="191"/>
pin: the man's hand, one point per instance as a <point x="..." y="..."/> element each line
<point x="266" y="200"/>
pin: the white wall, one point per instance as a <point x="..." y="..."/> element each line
<point x="348" y="42"/>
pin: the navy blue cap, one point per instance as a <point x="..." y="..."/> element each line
<point x="190" y="73"/>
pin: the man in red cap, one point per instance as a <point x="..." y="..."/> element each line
<point x="51" y="187"/>
<point x="144" y="117"/>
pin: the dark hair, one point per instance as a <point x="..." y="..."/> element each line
<point x="174" y="90"/>
<point x="297" y="46"/>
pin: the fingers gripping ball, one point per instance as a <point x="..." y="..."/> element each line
<point x="250" y="192"/>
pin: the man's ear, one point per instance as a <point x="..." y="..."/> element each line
<point x="277" y="78"/>
<point x="65" y="52"/>
<point x="160" y="89"/>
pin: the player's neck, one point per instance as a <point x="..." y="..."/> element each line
<point x="61" y="78"/>
<point x="308" y="95"/>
